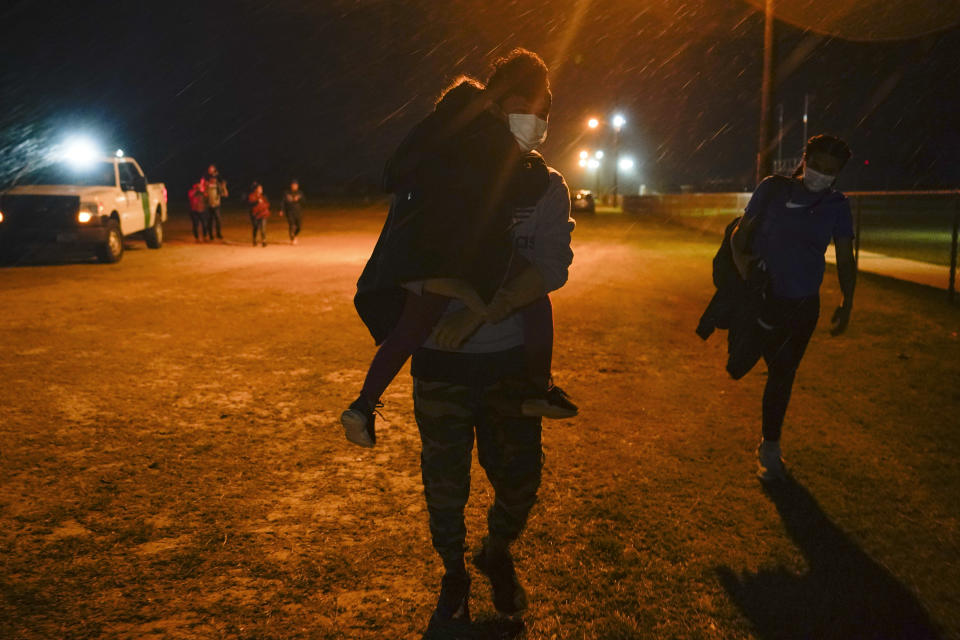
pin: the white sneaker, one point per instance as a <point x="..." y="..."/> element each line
<point x="770" y="462"/>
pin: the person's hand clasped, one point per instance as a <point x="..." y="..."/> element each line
<point x="456" y="327"/>
<point x="500" y="307"/>
<point x="840" y="320"/>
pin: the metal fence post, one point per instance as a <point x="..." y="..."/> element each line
<point x="856" y="236"/>
<point x="953" y="250"/>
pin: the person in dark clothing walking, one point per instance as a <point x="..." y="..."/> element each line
<point x="214" y="190"/>
<point x="452" y="183"/>
<point x="198" y="209"/>
<point x="787" y="240"/>
<point x="292" y="208"/>
<point x="259" y="212"/>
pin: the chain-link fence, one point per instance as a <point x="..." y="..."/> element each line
<point x="910" y="235"/>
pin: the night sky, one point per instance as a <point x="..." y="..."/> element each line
<point x="325" y="90"/>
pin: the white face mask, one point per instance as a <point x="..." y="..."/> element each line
<point x="529" y="130"/>
<point x="816" y="181"/>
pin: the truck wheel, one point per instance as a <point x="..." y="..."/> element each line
<point x="154" y="235"/>
<point x="111" y="250"/>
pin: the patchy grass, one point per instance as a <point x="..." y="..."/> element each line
<point x="172" y="464"/>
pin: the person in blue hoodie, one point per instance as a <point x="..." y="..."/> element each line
<point x="784" y="233"/>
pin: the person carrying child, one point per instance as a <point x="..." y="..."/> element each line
<point x="478" y="230"/>
<point x="521" y="177"/>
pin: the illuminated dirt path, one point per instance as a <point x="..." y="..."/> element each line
<point x="172" y="465"/>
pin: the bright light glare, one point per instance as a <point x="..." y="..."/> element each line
<point x="626" y="164"/>
<point x="598" y="155"/>
<point x="593" y="123"/>
<point x="84" y="216"/>
<point x="619" y="121"/>
<point x="584" y="154"/>
<point x="583" y="162"/>
<point x="80" y="152"/>
<point x="119" y="153"/>
<point x="1" y="216"/>
<point x="593" y="163"/>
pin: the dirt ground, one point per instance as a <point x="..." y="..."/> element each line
<point x="171" y="463"/>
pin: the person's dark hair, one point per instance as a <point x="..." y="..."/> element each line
<point x="461" y="90"/>
<point x="521" y="72"/>
<point x="830" y="145"/>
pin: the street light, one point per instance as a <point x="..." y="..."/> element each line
<point x="626" y="164"/>
<point x="618" y="122"/>
<point x="593" y="123"/>
<point x="592" y="163"/>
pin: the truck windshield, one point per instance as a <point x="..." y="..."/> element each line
<point x="98" y="174"/>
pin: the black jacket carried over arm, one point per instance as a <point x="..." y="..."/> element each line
<point x="455" y="179"/>
<point x="738" y="303"/>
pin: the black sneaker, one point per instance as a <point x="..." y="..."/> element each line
<point x="358" y="422"/>
<point x="454" y="602"/>
<point x="509" y="596"/>
<point x="553" y="403"/>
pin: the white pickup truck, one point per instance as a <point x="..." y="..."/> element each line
<point x="94" y="206"/>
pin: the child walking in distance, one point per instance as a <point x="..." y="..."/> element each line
<point x="259" y="212"/>
<point x="198" y="207"/>
<point x="423" y="301"/>
<point x="785" y="231"/>
<point x="292" y="208"/>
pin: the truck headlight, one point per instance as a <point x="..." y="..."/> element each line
<point x="88" y="210"/>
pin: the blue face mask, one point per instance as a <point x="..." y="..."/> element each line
<point x="816" y="181"/>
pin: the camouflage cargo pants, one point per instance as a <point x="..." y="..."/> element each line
<point x="508" y="447"/>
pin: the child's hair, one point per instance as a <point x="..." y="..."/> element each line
<point x="830" y="145"/>
<point x="462" y="89"/>
<point x="521" y="72"/>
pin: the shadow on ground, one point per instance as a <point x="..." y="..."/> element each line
<point x="845" y="594"/>
<point x="495" y="628"/>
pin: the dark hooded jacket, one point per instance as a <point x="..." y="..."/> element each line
<point x="456" y="179"/>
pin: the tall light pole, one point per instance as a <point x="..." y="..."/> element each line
<point x="806" y="108"/>
<point x="766" y="95"/>
<point x="780" y="137"/>
<point x="618" y="122"/>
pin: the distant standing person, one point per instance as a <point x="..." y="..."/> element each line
<point x="198" y="209"/>
<point x="291" y="207"/>
<point x="259" y="212"/>
<point x="214" y="190"/>
<point x="785" y="231"/>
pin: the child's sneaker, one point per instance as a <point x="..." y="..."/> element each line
<point x="358" y="422"/>
<point x="553" y="403"/>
